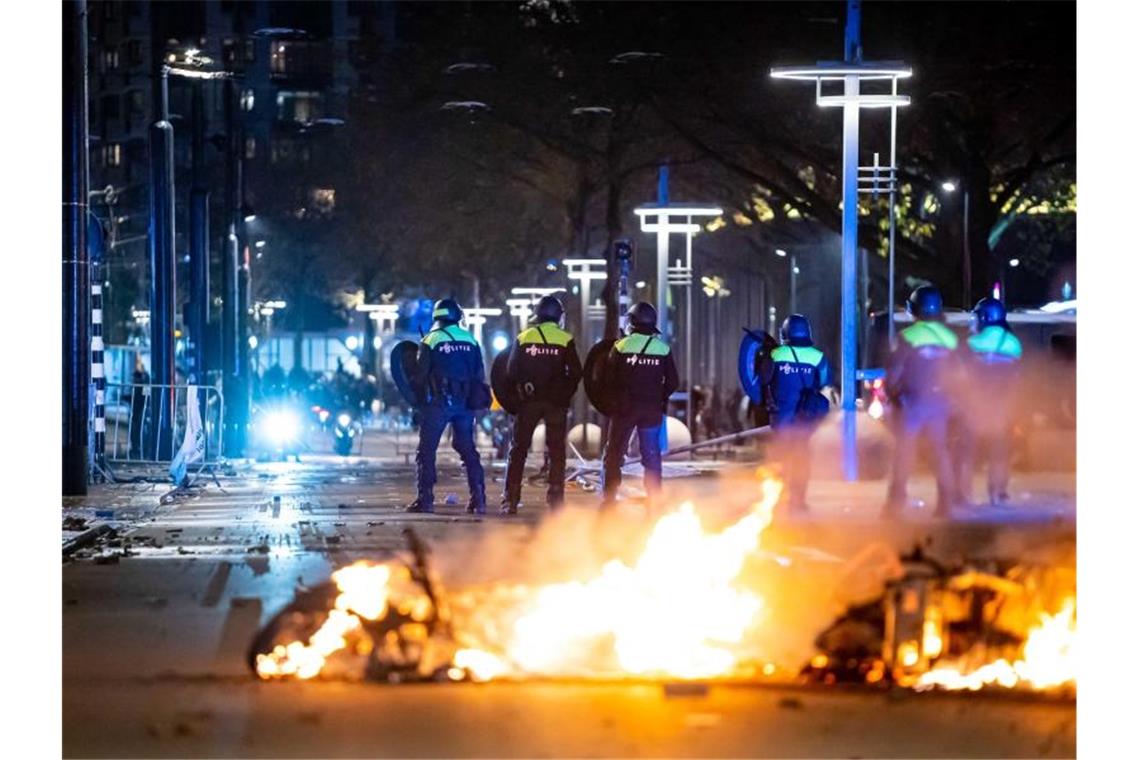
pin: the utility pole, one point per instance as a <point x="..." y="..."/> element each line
<point x="76" y="288"/>
<point x="199" y="240"/>
<point x="234" y="424"/>
<point x="663" y="322"/>
<point x="851" y="72"/>
<point x="853" y="53"/>
<point x="162" y="267"/>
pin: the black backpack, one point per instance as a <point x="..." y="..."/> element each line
<point x="812" y="405"/>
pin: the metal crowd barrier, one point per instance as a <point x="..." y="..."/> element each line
<point x="129" y="408"/>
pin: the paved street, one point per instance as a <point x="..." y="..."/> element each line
<point x="155" y="641"/>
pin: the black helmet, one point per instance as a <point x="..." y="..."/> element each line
<point x="925" y="303"/>
<point x="446" y="312"/>
<point x="548" y="309"/>
<point x="643" y="317"/>
<point x="796" y="330"/>
<point x="989" y="312"/>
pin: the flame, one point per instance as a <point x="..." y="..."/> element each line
<point x="364" y="591"/>
<point x="675" y="612"/>
<point x="1048" y="659"/>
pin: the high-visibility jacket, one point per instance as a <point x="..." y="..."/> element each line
<point x="641" y="370"/>
<point x="449" y="365"/>
<point x="544" y="364"/>
<point x="993" y="367"/>
<point x="926" y="364"/>
<point x="785" y="372"/>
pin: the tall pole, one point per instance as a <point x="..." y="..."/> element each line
<point x="792" y="301"/>
<point x="689" y="332"/>
<point x="162" y="267"/>
<point x="891" y="226"/>
<point x="967" y="274"/>
<point x="852" y="54"/>
<point x="76" y="289"/>
<point x="199" y="239"/>
<point x="663" y="253"/>
<point x="233" y="443"/>
<point x="584" y="328"/>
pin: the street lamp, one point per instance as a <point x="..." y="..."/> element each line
<point x="852" y="72"/>
<point x="793" y="270"/>
<point x="477" y="317"/>
<point x="660" y="218"/>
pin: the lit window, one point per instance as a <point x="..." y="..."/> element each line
<point x="247" y="100"/>
<point x="111" y="59"/>
<point x="251" y="147"/>
<point x="112" y="154"/>
<point x="277" y="60"/>
<point x="300" y="107"/>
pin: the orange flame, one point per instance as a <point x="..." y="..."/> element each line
<point x="364" y="592"/>
<point x="1048" y="659"/>
<point x="675" y="612"/>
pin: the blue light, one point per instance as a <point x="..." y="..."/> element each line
<point x="499" y="341"/>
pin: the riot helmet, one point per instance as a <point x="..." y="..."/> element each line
<point x="989" y="312"/>
<point x="795" y="331"/>
<point x="925" y="303"/>
<point x="548" y="309"/>
<point x="446" y="312"/>
<point x="643" y="318"/>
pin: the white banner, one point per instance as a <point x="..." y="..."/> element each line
<point x="193" y="447"/>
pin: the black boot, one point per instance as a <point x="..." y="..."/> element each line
<point x="477" y="504"/>
<point x="421" y="505"/>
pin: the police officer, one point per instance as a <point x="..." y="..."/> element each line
<point x="449" y="377"/>
<point x="545" y="368"/>
<point x="920" y="375"/>
<point x="641" y="373"/>
<point x="793" y="374"/>
<point x="993" y="360"/>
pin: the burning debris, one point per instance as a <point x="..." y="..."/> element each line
<point x="682" y="609"/>
<point x="376" y="620"/>
<point x="966" y="628"/>
<point x="654" y="617"/>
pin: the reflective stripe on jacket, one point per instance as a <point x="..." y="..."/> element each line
<point x="544" y="364"/>
<point x="449" y="363"/>
<point x="640" y="368"/>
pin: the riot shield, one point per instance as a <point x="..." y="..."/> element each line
<point x="593" y="378"/>
<point x="505" y="394"/>
<point x="402" y="362"/>
<point x="753" y="345"/>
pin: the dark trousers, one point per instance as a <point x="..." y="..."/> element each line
<point x="648" y="425"/>
<point x="994" y="436"/>
<point x="791" y="449"/>
<point x="920" y="421"/>
<point x="433" y="420"/>
<point x="530" y="414"/>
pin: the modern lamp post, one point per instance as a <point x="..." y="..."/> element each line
<point x="584" y="271"/>
<point x="664" y="218"/>
<point x="852" y="72"/>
